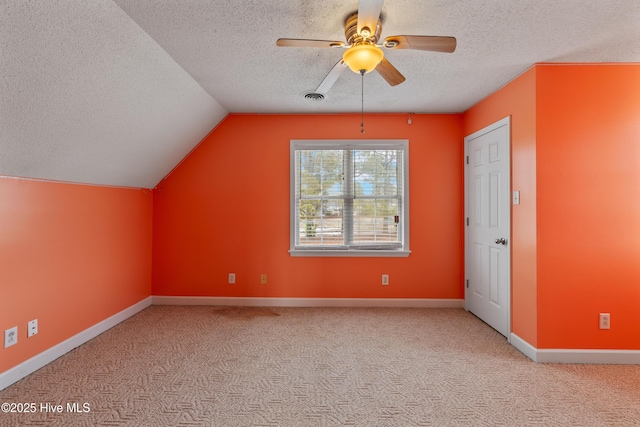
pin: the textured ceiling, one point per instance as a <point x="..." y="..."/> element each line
<point x="118" y="92"/>
<point x="229" y="47"/>
<point x="88" y="96"/>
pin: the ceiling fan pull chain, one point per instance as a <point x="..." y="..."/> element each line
<point x="362" y="100"/>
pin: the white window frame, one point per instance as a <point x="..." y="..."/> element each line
<point x="343" y="251"/>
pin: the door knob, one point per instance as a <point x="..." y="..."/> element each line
<point x="501" y="241"/>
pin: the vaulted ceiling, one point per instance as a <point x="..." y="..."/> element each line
<point x="117" y="92"/>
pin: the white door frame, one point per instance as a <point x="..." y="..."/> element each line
<point x="505" y="121"/>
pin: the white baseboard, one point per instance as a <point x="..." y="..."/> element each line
<point x="311" y="302"/>
<point x="524" y="347"/>
<point x="38" y="361"/>
<point x="591" y="356"/>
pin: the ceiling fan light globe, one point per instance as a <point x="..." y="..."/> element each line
<point x="363" y="57"/>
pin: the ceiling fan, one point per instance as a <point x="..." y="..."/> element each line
<point x="362" y="52"/>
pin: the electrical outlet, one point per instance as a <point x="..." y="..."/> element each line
<point x="232" y="278"/>
<point x="385" y="279"/>
<point x="263" y="279"/>
<point x="605" y="321"/>
<point x="32" y="328"/>
<point x="11" y="337"/>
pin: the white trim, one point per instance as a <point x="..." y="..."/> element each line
<point x="523" y="346"/>
<point x="348" y="144"/>
<point x="505" y="121"/>
<point x="590" y="356"/>
<point x="38" y="361"/>
<point x="310" y="302"/>
<point x="350" y="253"/>
<point x="595" y="356"/>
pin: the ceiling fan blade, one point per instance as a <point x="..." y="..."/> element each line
<point x="389" y="73"/>
<point x="308" y="43"/>
<point x="368" y="14"/>
<point x="431" y="43"/>
<point x="332" y="77"/>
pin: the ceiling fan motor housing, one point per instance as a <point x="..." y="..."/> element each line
<point x="351" y="31"/>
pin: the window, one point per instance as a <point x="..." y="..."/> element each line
<point x="349" y="198"/>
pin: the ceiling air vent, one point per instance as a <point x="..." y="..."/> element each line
<point x="314" y="96"/>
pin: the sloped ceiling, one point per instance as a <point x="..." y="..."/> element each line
<point x="88" y="96"/>
<point x="118" y="92"/>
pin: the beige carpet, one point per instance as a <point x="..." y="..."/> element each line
<point x="222" y="366"/>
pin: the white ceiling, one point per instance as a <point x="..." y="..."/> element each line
<point x="118" y="92"/>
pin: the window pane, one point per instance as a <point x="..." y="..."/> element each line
<point x="320" y="172"/>
<point x="376" y="172"/>
<point x="320" y="222"/>
<point x="374" y="221"/>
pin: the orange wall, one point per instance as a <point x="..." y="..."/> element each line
<point x="576" y="234"/>
<point x="70" y="256"/>
<point x="226" y="209"/>
<point x="588" y="149"/>
<point x="518" y="100"/>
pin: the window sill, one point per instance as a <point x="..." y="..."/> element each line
<point x="391" y="253"/>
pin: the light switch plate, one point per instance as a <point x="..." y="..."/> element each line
<point x="32" y="328"/>
<point x="516" y="197"/>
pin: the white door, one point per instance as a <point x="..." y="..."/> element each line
<point x="488" y="225"/>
